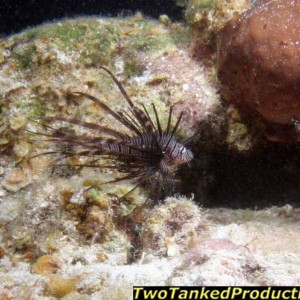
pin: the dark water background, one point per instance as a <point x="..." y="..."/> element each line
<point x="16" y="15"/>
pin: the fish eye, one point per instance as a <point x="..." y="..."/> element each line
<point x="182" y="150"/>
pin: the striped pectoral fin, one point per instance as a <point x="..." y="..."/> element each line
<point x="107" y="109"/>
<point x="145" y="121"/>
<point x="119" y="85"/>
<point x="167" y="131"/>
<point x="157" y="120"/>
<point x="132" y="123"/>
<point x="88" y="153"/>
<point x="48" y="153"/>
<point x="98" y="128"/>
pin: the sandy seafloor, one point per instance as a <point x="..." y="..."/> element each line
<point x="57" y="242"/>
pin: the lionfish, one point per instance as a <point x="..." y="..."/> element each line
<point x="139" y="149"/>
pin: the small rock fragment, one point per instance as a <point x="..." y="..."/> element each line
<point x="60" y="286"/>
<point x="21" y="148"/>
<point x="46" y="264"/>
<point x="15" y="180"/>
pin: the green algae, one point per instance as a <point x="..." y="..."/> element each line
<point x="100" y="42"/>
<point x="97" y="43"/>
<point x="69" y="35"/>
<point x="24" y="55"/>
<point x="132" y="67"/>
<point x="207" y="17"/>
<point x="149" y="42"/>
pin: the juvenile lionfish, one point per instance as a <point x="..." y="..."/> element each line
<point x="139" y="149"/>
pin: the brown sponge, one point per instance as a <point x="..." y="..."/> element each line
<point x="259" y="64"/>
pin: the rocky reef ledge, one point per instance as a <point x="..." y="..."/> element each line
<point x="59" y="242"/>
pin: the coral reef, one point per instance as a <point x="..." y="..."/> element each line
<point x="258" y="66"/>
<point x="43" y="65"/>
<point x="49" y="224"/>
<point x="59" y="240"/>
<point x="206" y="18"/>
<point x="173" y="227"/>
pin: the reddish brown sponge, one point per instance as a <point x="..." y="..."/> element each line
<point x="259" y="65"/>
